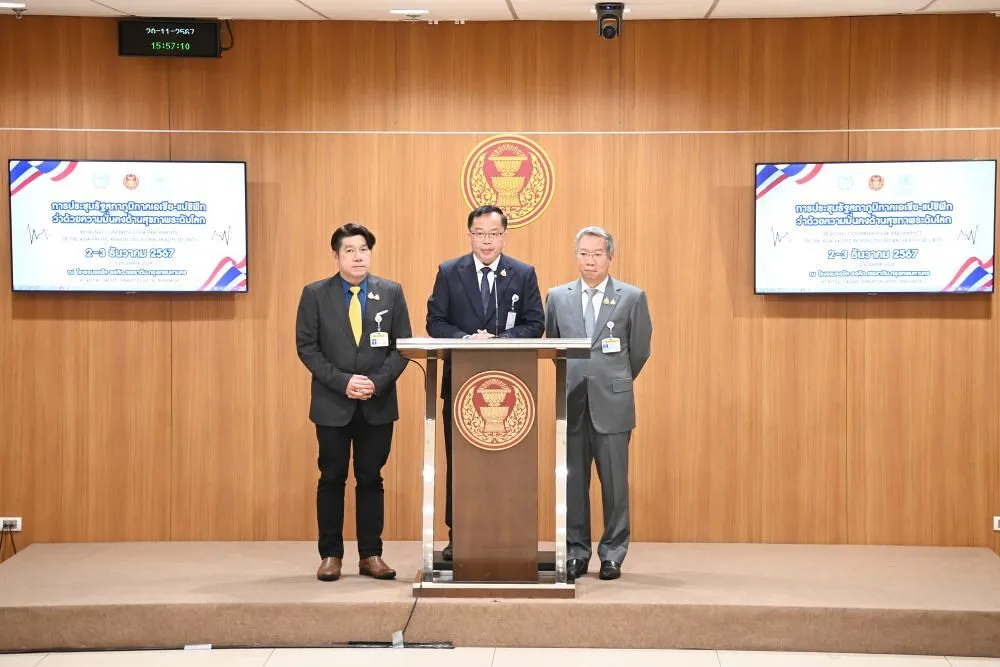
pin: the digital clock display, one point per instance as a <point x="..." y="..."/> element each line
<point x="169" y="37"/>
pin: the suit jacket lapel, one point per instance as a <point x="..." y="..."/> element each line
<point x="501" y="286"/>
<point x="372" y="308"/>
<point x="336" y="295"/>
<point x="611" y="294"/>
<point x="467" y="271"/>
<point x="575" y="296"/>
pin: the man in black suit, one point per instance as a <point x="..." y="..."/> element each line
<point x="484" y="294"/>
<point x="346" y="332"/>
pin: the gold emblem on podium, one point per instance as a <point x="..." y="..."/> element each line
<point x="494" y="410"/>
<point x="512" y="172"/>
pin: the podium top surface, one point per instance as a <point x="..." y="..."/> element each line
<point x="547" y="348"/>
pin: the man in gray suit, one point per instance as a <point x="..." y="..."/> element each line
<point x="600" y="404"/>
<point x="346" y="334"/>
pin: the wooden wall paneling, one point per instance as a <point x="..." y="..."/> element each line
<point x="923" y="371"/>
<point x="64" y="72"/>
<point x="526" y="76"/>
<point x="88" y="389"/>
<point x="924" y="72"/>
<point x="759" y="419"/>
<point x="696" y="478"/>
<point x="291" y="75"/>
<point x="794" y="377"/>
<point x="666" y="85"/>
<point x="799" y="74"/>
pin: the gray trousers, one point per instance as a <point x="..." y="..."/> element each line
<point x="609" y="451"/>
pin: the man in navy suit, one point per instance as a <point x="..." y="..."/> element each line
<point x="484" y="294"/>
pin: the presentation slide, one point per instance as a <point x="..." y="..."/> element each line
<point x="101" y="226"/>
<point x="875" y="227"/>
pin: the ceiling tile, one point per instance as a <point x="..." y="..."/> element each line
<point x="442" y="10"/>
<point x="236" y="9"/>
<point x="964" y="6"/>
<point x="495" y="10"/>
<point x="791" y="8"/>
<point x="67" y="8"/>
<point x="580" y="10"/>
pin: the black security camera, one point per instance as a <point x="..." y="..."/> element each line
<point x="609" y="18"/>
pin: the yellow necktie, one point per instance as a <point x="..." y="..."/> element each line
<point x="354" y="314"/>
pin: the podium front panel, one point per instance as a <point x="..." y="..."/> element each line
<point x="495" y="465"/>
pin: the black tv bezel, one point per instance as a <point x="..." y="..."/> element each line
<point x="10" y="220"/>
<point x="814" y="293"/>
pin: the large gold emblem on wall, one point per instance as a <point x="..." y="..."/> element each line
<point x="512" y="172"/>
<point x="494" y="410"/>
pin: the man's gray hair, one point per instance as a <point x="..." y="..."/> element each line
<point x="600" y="232"/>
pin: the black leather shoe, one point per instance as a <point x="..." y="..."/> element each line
<point x="447" y="553"/>
<point x="610" y="569"/>
<point x="575" y="568"/>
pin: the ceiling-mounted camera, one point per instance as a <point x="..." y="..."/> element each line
<point x="609" y="18"/>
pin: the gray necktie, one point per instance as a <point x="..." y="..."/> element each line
<point x="589" y="318"/>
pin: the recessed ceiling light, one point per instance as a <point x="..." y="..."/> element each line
<point x="409" y="12"/>
<point x="12" y="5"/>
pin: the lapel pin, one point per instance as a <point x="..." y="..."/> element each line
<point x="373" y="296"/>
<point x="607" y="301"/>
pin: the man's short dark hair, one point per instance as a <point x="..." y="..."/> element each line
<point x="488" y="210"/>
<point x="351" y="229"/>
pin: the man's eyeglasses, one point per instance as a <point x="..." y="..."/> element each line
<point x="482" y="236"/>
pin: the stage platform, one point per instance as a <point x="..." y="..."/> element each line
<point x="836" y="599"/>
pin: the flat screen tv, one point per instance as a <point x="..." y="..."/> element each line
<point x="875" y="227"/>
<point x="105" y="226"/>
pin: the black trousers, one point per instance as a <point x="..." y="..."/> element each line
<point x="371" y="445"/>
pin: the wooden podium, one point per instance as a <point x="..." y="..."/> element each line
<point x="494" y="467"/>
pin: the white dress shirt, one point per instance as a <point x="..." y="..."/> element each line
<point x="598" y="298"/>
<point x="491" y="276"/>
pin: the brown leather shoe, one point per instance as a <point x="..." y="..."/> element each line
<point x="376" y="567"/>
<point x="329" y="569"/>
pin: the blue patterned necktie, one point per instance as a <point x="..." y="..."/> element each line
<point x="484" y="288"/>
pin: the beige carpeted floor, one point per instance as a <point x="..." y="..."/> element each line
<point x="907" y="600"/>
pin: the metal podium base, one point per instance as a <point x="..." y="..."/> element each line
<point x="442" y="585"/>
